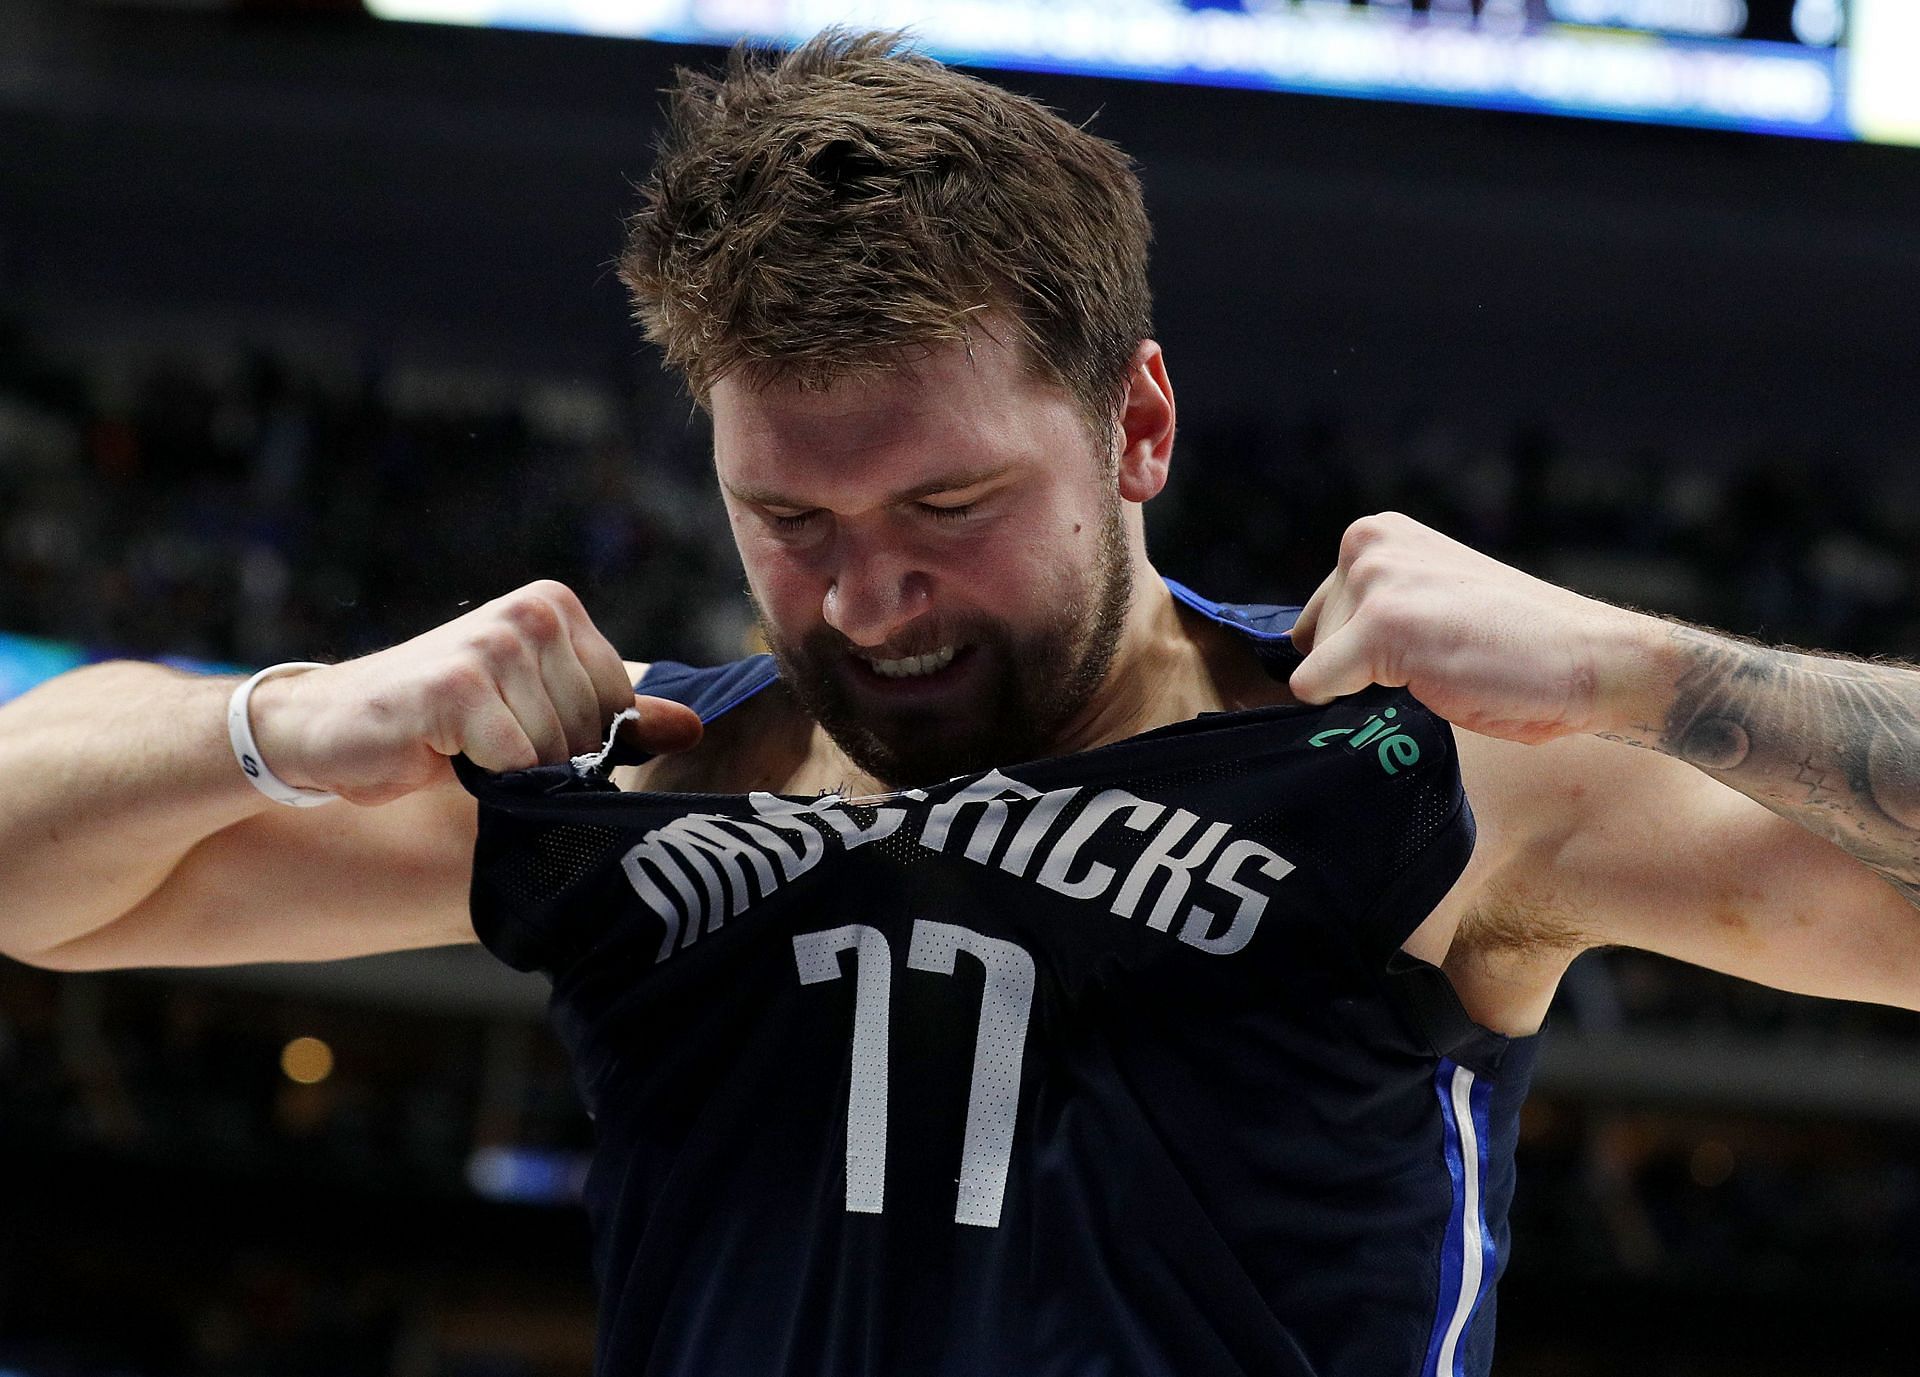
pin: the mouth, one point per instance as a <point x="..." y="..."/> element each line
<point x="911" y="666"/>
<point x="914" y="675"/>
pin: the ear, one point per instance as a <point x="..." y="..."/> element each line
<point x="1146" y="425"/>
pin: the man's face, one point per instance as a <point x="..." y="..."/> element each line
<point x="936" y="555"/>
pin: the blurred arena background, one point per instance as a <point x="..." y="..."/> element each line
<point x="308" y="341"/>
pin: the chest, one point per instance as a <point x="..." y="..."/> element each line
<point x="766" y="745"/>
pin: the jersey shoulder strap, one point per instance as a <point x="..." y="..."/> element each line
<point x="1267" y="623"/>
<point x="1266" y="627"/>
<point x="709" y="691"/>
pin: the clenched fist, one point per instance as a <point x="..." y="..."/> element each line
<point x="1489" y="648"/>
<point x="520" y="681"/>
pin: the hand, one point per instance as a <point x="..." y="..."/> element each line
<point x="520" y="681"/>
<point x="1487" y="647"/>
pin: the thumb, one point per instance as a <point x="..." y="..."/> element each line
<point x="1334" y="668"/>
<point x="664" y="725"/>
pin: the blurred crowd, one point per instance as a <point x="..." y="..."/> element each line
<point x="249" y="505"/>
<point x="238" y="507"/>
<point x="245" y="505"/>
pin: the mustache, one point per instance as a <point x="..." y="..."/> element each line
<point x="824" y="643"/>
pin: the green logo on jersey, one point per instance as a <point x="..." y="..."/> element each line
<point x="1394" y="749"/>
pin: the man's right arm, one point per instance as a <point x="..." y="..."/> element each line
<point x="129" y="836"/>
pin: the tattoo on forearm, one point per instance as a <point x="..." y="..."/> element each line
<point x="1829" y="741"/>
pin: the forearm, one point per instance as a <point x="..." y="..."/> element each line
<point x="112" y="774"/>
<point x="1828" y="742"/>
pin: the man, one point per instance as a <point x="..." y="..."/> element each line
<point x="1031" y="966"/>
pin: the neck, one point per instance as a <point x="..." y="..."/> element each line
<point x="1159" y="672"/>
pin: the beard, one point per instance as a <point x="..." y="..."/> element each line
<point x="1029" y="684"/>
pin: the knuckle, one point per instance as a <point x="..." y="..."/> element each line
<point x="534" y="617"/>
<point x="554" y="592"/>
<point x="467" y="682"/>
<point x="1363" y="534"/>
<point x="601" y="661"/>
<point x="1366" y="553"/>
<point x="1363" y="574"/>
<point x="496" y="646"/>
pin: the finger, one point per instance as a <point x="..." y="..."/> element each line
<point x="492" y="738"/>
<point x="612" y="688"/>
<point x="575" y="699"/>
<point x="580" y="675"/>
<point x="528" y="698"/>
<point x="1339" y="665"/>
<point x="1307" y="624"/>
<point x="664" y="725"/>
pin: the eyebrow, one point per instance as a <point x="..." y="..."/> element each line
<point x="946" y="482"/>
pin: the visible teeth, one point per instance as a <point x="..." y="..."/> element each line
<point x="914" y="664"/>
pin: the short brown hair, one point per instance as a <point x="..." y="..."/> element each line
<point x="834" y="209"/>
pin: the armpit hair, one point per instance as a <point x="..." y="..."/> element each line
<point x="1512" y="919"/>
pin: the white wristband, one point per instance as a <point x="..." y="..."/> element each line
<point x="240" y="733"/>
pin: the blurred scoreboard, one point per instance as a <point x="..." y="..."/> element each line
<point x="1841" y="69"/>
<point x="26" y="661"/>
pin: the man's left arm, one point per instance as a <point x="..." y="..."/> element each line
<point x="1786" y="847"/>
<point x="1831" y="743"/>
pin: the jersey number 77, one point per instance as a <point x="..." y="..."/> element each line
<point x="993" y="1100"/>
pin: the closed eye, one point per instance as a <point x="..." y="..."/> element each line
<point x="791" y="523"/>
<point x="958" y="512"/>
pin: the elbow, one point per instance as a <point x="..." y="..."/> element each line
<point x="91" y="951"/>
<point x="51" y="959"/>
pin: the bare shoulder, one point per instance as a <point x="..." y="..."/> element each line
<point x="1528" y="802"/>
<point x="1521" y="794"/>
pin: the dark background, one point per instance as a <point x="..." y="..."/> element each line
<point x="308" y="339"/>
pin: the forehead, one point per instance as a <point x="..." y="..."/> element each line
<point x="970" y="401"/>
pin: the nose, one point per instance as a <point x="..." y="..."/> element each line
<point x="873" y="596"/>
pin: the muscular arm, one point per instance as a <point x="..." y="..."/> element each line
<point x="1586" y="843"/>
<point x="1765" y="829"/>
<point x="1827" y="742"/>
<point x="113" y="772"/>
<point x="129" y="837"/>
<point x="1768" y="827"/>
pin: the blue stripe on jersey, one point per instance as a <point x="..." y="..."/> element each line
<point x="709" y="692"/>
<point x="1469" y="1253"/>
<point x="1255" y="621"/>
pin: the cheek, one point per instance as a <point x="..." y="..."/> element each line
<point x="1026" y="576"/>
<point x="783" y="586"/>
<point x="1058" y="546"/>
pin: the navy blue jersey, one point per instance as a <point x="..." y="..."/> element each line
<point x="1105" y="1064"/>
